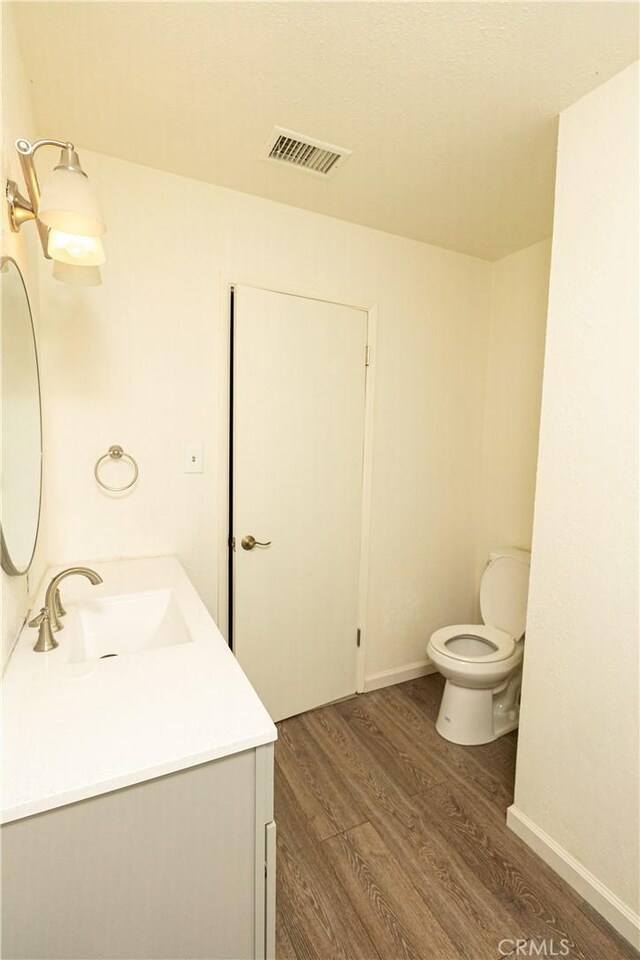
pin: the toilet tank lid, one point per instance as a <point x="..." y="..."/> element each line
<point x="504" y="592"/>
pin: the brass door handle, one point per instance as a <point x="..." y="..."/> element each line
<point x="249" y="542"/>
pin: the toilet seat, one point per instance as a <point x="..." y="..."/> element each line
<point x="499" y="645"/>
<point x="482" y="662"/>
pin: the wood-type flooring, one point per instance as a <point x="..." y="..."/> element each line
<point x="392" y="843"/>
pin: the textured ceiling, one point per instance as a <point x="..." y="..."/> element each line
<point x="449" y="108"/>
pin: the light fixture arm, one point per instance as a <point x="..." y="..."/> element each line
<point x="22" y="209"/>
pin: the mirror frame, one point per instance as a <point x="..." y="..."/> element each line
<point x="6" y="562"/>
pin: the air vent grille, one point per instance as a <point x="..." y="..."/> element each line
<point x="303" y="154"/>
<point x="285" y="146"/>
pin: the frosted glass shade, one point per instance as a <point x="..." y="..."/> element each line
<point x="76" y="276"/>
<point x="76" y="250"/>
<point x="68" y="203"/>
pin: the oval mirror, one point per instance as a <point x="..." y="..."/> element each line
<point x="21" y="424"/>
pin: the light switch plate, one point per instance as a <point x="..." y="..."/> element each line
<point x="193" y="458"/>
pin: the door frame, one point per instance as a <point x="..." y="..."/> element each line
<point x="228" y="280"/>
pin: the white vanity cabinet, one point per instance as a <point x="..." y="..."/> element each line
<point x="182" y="866"/>
<point x="137" y="790"/>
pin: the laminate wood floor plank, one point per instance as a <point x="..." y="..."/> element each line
<point x="326" y="799"/>
<point x="428" y="691"/>
<point x="313" y="906"/>
<point x="541" y="904"/>
<point x="474" y="919"/>
<point x="433" y="873"/>
<point x="501" y="754"/>
<point x="354" y="761"/>
<point x="398" y="917"/>
<point x="404" y="760"/>
<point x="494" y="780"/>
<point x="284" y="947"/>
<point x="443" y="878"/>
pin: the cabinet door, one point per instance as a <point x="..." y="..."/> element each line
<point x="270" y="890"/>
<point x="265" y="859"/>
<point x="164" y="869"/>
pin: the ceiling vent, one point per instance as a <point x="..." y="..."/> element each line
<point x="305" y="153"/>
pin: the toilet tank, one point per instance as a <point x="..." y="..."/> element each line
<point x="504" y="590"/>
<point x="515" y="552"/>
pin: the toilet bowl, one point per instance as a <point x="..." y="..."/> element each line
<point x="482" y="663"/>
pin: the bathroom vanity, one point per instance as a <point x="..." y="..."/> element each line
<point x="138" y="781"/>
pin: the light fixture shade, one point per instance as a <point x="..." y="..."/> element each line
<point x="76" y="249"/>
<point x="68" y="203"/>
<point x="76" y="276"/>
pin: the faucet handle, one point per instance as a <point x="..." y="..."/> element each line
<point x="46" y="640"/>
<point x="37" y="620"/>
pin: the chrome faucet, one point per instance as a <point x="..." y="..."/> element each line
<point x="48" y="619"/>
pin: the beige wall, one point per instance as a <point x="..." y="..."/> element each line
<point x="519" y="287"/>
<point x="17" y="121"/>
<point x="577" y="775"/>
<point x="136" y="362"/>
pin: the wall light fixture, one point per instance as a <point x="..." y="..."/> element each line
<point x="67" y="214"/>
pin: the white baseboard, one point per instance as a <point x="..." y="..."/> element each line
<point x="398" y="675"/>
<point x="618" y="914"/>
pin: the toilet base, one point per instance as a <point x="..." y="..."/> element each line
<point x="471" y="717"/>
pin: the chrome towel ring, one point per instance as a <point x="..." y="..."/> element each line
<point x="116" y="452"/>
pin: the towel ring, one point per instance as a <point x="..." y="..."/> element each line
<point x="116" y="452"/>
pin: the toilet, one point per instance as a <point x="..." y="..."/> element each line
<point x="482" y="663"/>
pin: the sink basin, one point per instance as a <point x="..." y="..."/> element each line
<point x="129" y="624"/>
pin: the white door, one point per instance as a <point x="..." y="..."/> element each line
<point x="298" y="438"/>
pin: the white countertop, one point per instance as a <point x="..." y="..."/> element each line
<point x="73" y="730"/>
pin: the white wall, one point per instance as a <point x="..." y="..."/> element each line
<point x="577" y="776"/>
<point x="519" y="288"/>
<point x="17" y="121"/>
<point x="135" y="362"/>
